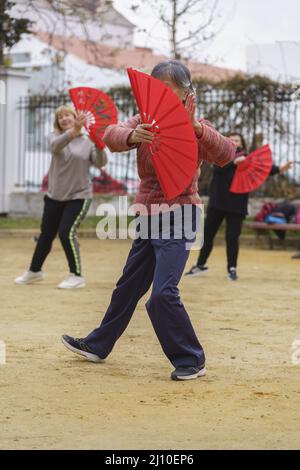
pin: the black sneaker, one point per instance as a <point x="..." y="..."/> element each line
<point x="188" y="373"/>
<point x="78" y="346"/>
<point x="197" y="271"/>
<point x="232" y="274"/>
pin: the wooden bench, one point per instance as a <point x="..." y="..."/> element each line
<point x="266" y="229"/>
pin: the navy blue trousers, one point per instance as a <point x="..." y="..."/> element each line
<point x="161" y="262"/>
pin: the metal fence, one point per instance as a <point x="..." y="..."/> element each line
<point x="265" y="117"/>
<point x="273" y="119"/>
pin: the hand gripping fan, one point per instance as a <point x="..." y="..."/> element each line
<point x="174" y="151"/>
<point x="251" y="173"/>
<point x="99" y="109"/>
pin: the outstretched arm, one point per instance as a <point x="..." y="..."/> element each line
<point x="126" y="135"/>
<point x="57" y="142"/>
<point x="214" y="147"/>
<point x="281" y="169"/>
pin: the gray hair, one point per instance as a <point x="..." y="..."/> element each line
<point x="176" y="71"/>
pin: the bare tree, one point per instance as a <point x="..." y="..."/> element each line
<point x="61" y="23"/>
<point x="64" y="17"/>
<point x="190" y="23"/>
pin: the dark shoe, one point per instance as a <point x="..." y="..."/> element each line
<point x="197" y="271"/>
<point x="232" y="274"/>
<point x="78" y="346"/>
<point x="296" y="255"/>
<point x="188" y="373"/>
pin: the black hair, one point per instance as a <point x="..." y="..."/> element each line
<point x="231" y="134"/>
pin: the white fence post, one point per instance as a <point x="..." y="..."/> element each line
<point x="13" y="85"/>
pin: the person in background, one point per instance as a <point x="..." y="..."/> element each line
<point x="68" y="198"/>
<point x="223" y="204"/>
<point x="283" y="213"/>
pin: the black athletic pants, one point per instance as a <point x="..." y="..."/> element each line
<point x="213" y="221"/>
<point x="62" y="218"/>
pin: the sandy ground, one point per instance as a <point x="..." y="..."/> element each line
<point x="52" y="399"/>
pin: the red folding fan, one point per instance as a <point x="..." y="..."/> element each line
<point x="99" y="109"/>
<point x="174" y="151"/>
<point x="251" y="173"/>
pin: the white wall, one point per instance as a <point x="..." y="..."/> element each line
<point x="40" y="53"/>
<point x="47" y="21"/>
<point x="11" y="133"/>
<point x="48" y="77"/>
<point x="78" y="73"/>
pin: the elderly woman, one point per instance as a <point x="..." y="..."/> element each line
<point x="158" y="260"/>
<point x="69" y="195"/>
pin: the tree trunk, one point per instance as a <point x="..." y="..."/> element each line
<point x="175" y="53"/>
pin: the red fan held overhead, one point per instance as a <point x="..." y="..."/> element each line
<point x="251" y="173"/>
<point x="99" y="109"/>
<point x="174" y="151"/>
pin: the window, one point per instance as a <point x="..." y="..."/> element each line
<point x="19" y="57"/>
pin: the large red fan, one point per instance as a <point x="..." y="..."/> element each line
<point x="99" y="109"/>
<point x="251" y="173"/>
<point x="174" y="151"/>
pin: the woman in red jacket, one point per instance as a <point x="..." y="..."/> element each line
<point x="158" y="260"/>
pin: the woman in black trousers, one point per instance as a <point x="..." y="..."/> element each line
<point x="223" y="204"/>
<point x="68" y="198"/>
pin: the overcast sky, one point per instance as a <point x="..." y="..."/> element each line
<point x="246" y="22"/>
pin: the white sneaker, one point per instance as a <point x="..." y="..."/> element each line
<point x="29" y="277"/>
<point x="72" y="282"/>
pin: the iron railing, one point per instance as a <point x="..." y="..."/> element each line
<point x="273" y="119"/>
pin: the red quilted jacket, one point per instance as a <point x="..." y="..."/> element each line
<point x="213" y="147"/>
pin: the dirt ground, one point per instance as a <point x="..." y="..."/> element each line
<point x="53" y="399"/>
